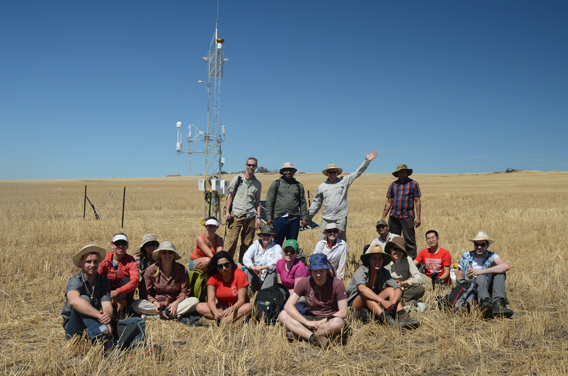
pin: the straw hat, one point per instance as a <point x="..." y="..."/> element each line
<point x="286" y="166"/>
<point x="399" y="242"/>
<point x="165" y="246"/>
<point x="332" y="167"/>
<point x="482" y="235"/>
<point x="147" y="239"/>
<point x="267" y="230"/>
<point x="374" y="250"/>
<point x="88" y="249"/>
<point x="402" y="167"/>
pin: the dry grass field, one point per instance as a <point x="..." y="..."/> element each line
<point x="42" y="226"/>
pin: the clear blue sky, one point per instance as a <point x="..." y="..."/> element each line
<point x="443" y="86"/>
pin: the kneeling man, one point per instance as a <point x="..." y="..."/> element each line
<point x="488" y="269"/>
<point x="327" y="305"/>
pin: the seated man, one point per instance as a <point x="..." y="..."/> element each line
<point x="88" y="302"/>
<point x="488" y="269"/>
<point x="327" y="305"/>
<point x="436" y="260"/>
<point x="385" y="235"/>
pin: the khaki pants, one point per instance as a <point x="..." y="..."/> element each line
<point x="144" y="307"/>
<point x="246" y="227"/>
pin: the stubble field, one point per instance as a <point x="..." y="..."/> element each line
<point x="42" y="226"/>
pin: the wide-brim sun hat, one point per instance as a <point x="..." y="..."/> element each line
<point x="267" y="230"/>
<point x="402" y="167"/>
<point x="399" y="242"/>
<point x="332" y="167"/>
<point x="88" y="249"/>
<point x="318" y="261"/>
<point x="288" y="166"/>
<point x="482" y="235"/>
<point x="147" y="239"/>
<point x="376" y="250"/>
<point x="165" y="246"/>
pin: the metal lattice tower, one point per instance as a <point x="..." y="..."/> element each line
<point x="212" y="185"/>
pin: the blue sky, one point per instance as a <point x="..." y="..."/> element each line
<point x="94" y="89"/>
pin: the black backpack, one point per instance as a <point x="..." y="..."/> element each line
<point x="461" y="296"/>
<point x="269" y="302"/>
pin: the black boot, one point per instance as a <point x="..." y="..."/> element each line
<point x="485" y="308"/>
<point x="500" y="310"/>
<point x="404" y="320"/>
<point x="386" y="319"/>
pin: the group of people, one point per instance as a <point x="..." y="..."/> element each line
<point x="389" y="277"/>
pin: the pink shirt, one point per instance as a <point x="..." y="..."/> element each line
<point x="298" y="270"/>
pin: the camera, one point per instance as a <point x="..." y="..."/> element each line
<point x="164" y="312"/>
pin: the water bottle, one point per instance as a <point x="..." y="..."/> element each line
<point x="469" y="269"/>
<point x="103" y="329"/>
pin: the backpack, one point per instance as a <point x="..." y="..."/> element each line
<point x="198" y="284"/>
<point x="269" y="302"/>
<point x="461" y="296"/>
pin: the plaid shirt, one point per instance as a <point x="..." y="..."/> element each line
<point x="166" y="290"/>
<point x="403" y="195"/>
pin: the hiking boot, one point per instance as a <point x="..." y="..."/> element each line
<point x="319" y="341"/>
<point x="405" y="322"/>
<point x="204" y="321"/>
<point x="500" y="310"/>
<point x="485" y="308"/>
<point x="386" y="319"/>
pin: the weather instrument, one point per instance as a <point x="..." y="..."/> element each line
<point x="212" y="185"/>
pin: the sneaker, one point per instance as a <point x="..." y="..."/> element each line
<point x="486" y="310"/>
<point x="500" y="310"/>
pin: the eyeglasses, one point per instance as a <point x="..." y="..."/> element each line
<point x="332" y="231"/>
<point x="332" y="172"/>
<point x="251" y="165"/>
<point x="431" y="238"/>
<point x="482" y="245"/>
<point x="167" y="252"/>
<point x="223" y="266"/>
<point x="120" y="243"/>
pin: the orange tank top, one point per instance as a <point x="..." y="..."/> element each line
<point x="198" y="253"/>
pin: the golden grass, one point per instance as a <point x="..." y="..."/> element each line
<point x="42" y="226"/>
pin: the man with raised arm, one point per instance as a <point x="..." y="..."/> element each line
<point x="332" y="194"/>
<point x="327" y="305"/>
<point x="403" y="202"/>
<point x="243" y="205"/>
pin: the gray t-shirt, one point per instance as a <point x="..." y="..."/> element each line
<point x="79" y="283"/>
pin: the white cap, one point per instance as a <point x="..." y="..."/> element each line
<point x="211" y="221"/>
<point x="119" y="237"/>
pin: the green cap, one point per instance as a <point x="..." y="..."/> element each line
<point x="291" y="243"/>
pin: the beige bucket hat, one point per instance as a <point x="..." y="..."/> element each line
<point x="402" y="167"/>
<point x="147" y="239"/>
<point x="288" y="165"/>
<point x="376" y="249"/>
<point x="482" y="235"/>
<point x="88" y="249"/>
<point x="400" y="243"/>
<point x="165" y="246"/>
<point x="332" y="166"/>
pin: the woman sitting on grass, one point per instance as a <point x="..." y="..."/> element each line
<point x="167" y="285"/>
<point x="228" y="285"/>
<point x="208" y="244"/>
<point x="290" y="270"/>
<point x="372" y="287"/>
<point x="144" y="259"/>
<point x="403" y="270"/>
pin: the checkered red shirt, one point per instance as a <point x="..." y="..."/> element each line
<point x="403" y="195"/>
<point x="166" y="290"/>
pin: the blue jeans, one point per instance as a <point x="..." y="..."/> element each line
<point x="79" y="322"/>
<point x="285" y="228"/>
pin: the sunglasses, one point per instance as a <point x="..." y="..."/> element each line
<point x="251" y="165"/>
<point x="332" y="231"/>
<point x="120" y="243"/>
<point x="332" y="172"/>
<point x="167" y="252"/>
<point x="290" y="251"/>
<point x="223" y="266"/>
<point x="396" y="249"/>
<point x="482" y="245"/>
<point x="287" y="170"/>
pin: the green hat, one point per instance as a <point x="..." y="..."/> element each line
<point x="402" y="167"/>
<point x="291" y="243"/>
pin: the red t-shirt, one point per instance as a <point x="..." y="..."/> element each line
<point x="227" y="293"/>
<point x="435" y="262"/>
<point x="321" y="300"/>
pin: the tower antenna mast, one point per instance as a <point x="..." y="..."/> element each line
<point x="213" y="186"/>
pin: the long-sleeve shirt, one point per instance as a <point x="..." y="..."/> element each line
<point x="361" y="277"/>
<point x="290" y="198"/>
<point x="256" y="256"/>
<point x="405" y="270"/>
<point x="166" y="290"/>
<point x="336" y="255"/>
<point x="244" y="200"/>
<point x="335" y="195"/>
<point x="127" y="267"/>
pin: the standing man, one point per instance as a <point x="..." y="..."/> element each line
<point x="436" y="260"/>
<point x="403" y="197"/>
<point x="285" y="203"/>
<point x="334" y="192"/>
<point x="243" y="204"/>
<point x="385" y="235"/>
